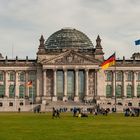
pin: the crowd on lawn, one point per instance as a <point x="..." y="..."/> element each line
<point x="131" y="111"/>
<point x="97" y="110"/>
<point x="83" y="112"/>
<point x="80" y="112"/>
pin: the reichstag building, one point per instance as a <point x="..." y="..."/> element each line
<point x="68" y="68"/>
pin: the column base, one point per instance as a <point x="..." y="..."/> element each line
<point x="54" y="98"/>
<point x="76" y="99"/>
<point x="65" y="98"/>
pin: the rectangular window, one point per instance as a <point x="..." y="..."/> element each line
<point x="22" y="77"/>
<point x="32" y="76"/>
<point x="1" y="76"/>
<point x="12" y="76"/>
<point x="109" y="76"/>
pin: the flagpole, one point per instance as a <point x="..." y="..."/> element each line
<point x="115" y="85"/>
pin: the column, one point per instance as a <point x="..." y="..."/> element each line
<point x="95" y="84"/>
<point x="54" y="97"/>
<point x="113" y="83"/>
<point x="26" y="81"/>
<point x="65" y="85"/>
<point x="16" y="84"/>
<point x="134" y="85"/>
<point x="124" y="84"/>
<point x="6" y="84"/>
<point x="44" y="83"/>
<point x="76" y="98"/>
<point x="86" y="83"/>
<point x="54" y="90"/>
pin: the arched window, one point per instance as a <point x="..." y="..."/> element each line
<point x="2" y="90"/>
<point x="138" y="91"/>
<point x="119" y="91"/>
<point x="109" y="76"/>
<point x="129" y="91"/>
<point x="129" y="76"/>
<point x="21" y="91"/>
<point x="12" y="91"/>
<point x="12" y="76"/>
<point x="1" y="76"/>
<point x="119" y="76"/>
<point x="32" y="92"/>
<point x="22" y="76"/>
<point x="32" y="76"/>
<point x="108" y="91"/>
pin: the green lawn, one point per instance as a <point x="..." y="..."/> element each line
<point x="30" y="126"/>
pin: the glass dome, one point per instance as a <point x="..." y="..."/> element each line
<point x="67" y="38"/>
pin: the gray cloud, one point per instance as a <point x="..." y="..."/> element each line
<point x="22" y="23"/>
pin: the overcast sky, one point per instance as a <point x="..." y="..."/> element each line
<point x="23" y="21"/>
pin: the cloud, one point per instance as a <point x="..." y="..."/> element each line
<point x="22" y="23"/>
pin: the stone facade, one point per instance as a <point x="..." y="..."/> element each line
<point x="68" y="72"/>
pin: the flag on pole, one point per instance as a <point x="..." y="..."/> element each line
<point x="109" y="62"/>
<point x="137" y="42"/>
<point x="29" y="84"/>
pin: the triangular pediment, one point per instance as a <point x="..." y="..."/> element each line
<point x="70" y="57"/>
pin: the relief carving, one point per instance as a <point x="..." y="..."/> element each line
<point x="71" y="58"/>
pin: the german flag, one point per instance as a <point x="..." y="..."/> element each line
<point x="109" y="62"/>
<point x="29" y="84"/>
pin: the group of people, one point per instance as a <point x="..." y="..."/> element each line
<point x="78" y="112"/>
<point x="55" y="113"/>
<point x="133" y="112"/>
<point x="83" y="112"/>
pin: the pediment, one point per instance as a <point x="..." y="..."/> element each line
<point x="71" y="57"/>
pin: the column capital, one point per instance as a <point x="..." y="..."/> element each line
<point x="96" y="70"/>
<point x="54" y="69"/>
<point x="44" y="70"/>
<point x="86" y="69"/>
<point x="65" y="69"/>
<point x="76" y="69"/>
<point x="5" y="71"/>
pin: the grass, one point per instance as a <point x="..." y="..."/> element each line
<point x="30" y="126"/>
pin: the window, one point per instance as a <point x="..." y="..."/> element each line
<point x="129" y="91"/>
<point x="1" y="104"/>
<point x="60" y="84"/>
<point x="12" y="91"/>
<point x="32" y="92"/>
<point x="129" y="104"/>
<point x="21" y="91"/>
<point x="2" y="90"/>
<point x="21" y="104"/>
<point x="119" y="103"/>
<point x="32" y="76"/>
<point x="22" y="76"/>
<point x="1" y="76"/>
<point x="11" y="104"/>
<point x="138" y="91"/>
<point x="138" y="78"/>
<point x="119" y="76"/>
<point x="118" y="91"/>
<point x="108" y="91"/>
<point x="12" y="76"/>
<point x="109" y="76"/>
<point x="129" y="76"/>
